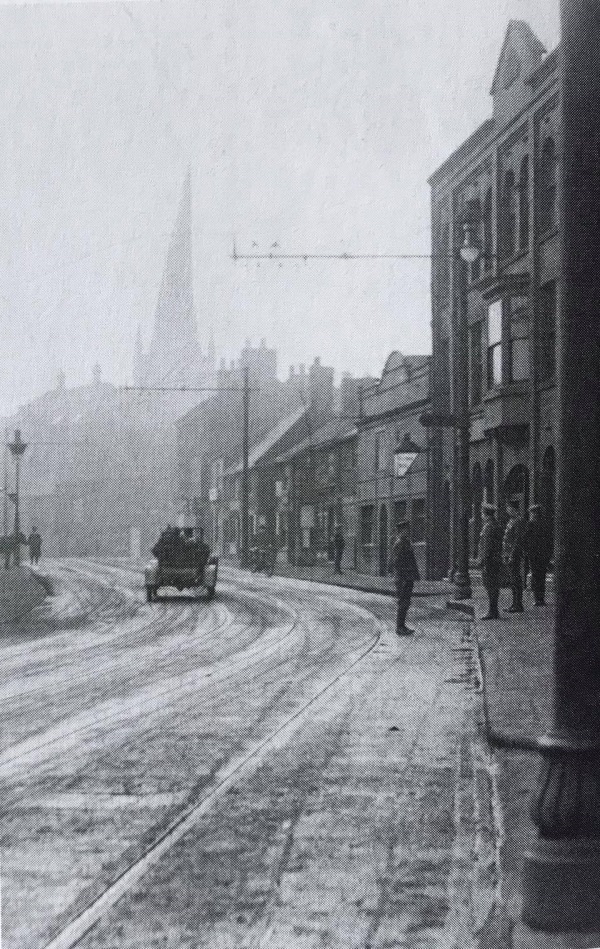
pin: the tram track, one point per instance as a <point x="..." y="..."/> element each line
<point x="283" y="663"/>
<point x="231" y="773"/>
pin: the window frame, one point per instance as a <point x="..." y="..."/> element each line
<point x="494" y="347"/>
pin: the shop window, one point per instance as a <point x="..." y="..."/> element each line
<point x="475" y="363"/>
<point x="418" y="520"/>
<point x="494" y="354"/>
<point x="524" y="204"/>
<point x="548" y="185"/>
<point x="547" y="330"/>
<point x="399" y="512"/>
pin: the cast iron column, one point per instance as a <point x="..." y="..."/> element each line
<point x="462" y="580"/>
<point x="562" y="871"/>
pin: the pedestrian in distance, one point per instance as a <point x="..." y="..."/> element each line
<point x="490" y="559"/>
<point x="538" y="551"/>
<point x="403" y="564"/>
<point x="35" y="546"/>
<point x="512" y="553"/>
<point x="338" y="548"/>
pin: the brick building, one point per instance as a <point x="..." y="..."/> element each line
<point x="392" y="461"/>
<point x="500" y="188"/>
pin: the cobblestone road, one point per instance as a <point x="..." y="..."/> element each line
<point x="274" y="769"/>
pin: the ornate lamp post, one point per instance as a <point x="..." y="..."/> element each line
<point x="561" y="888"/>
<point x="17" y="450"/>
<point x="463" y="256"/>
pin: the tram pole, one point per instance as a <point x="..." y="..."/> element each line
<point x="245" y="466"/>
<point x="561" y="887"/>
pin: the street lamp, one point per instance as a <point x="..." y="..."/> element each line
<point x="17" y="450"/>
<point x="468" y="254"/>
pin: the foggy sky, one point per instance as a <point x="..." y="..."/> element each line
<point x="312" y="124"/>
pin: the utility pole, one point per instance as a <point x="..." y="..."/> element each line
<point x="17" y="448"/>
<point x="561" y="886"/>
<point x="245" y="475"/>
<point x="5" y="503"/>
<point x="462" y="580"/>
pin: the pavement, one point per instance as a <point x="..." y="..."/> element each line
<point x="353" y="579"/>
<point x="21" y="589"/>
<point x="516" y="654"/>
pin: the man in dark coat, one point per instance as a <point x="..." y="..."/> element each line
<point x="538" y="551"/>
<point x="490" y="559"/>
<point x="338" y="549"/>
<point x="35" y="545"/>
<point x="512" y="552"/>
<point x="403" y="565"/>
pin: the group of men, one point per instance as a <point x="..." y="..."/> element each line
<point x="522" y="542"/>
<point x="8" y="547"/>
<point x="179" y="546"/>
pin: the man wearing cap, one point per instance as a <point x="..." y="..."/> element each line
<point x="490" y="559"/>
<point x="538" y="551"/>
<point x="403" y="564"/>
<point x="512" y="553"/>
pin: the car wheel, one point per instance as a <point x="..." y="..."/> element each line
<point x="150" y="594"/>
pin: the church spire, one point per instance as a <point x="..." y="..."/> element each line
<point x="174" y="346"/>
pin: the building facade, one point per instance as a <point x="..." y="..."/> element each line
<point x="393" y="462"/>
<point x="315" y="493"/>
<point x="498" y="192"/>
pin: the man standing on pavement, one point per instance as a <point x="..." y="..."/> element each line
<point x="538" y="552"/>
<point x="35" y="546"/>
<point x="490" y="559"/>
<point x="403" y="564"/>
<point x="338" y="548"/>
<point x="512" y="553"/>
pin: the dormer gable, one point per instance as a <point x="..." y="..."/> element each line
<point x="521" y="53"/>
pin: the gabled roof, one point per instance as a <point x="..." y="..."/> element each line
<point x="335" y="430"/>
<point x="270" y="440"/>
<point x="520" y="38"/>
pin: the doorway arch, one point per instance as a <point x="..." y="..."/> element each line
<point x="516" y="487"/>
<point x="384" y="540"/>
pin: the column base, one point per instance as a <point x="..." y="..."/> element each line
<point x="561" y="885"/>
<point x="462" y="587"/>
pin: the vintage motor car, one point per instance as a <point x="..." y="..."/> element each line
<point x="183" y="563"/>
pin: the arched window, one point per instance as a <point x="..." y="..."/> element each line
<point x="489" y="483"/>
<point x="548" y="181"/>
<point x="509" y="215"/>
<point x="524" y="204"/>
<point x="486" y="227"/>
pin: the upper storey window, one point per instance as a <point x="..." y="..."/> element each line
<point x="509" y="215"/>
<point x="524" y="204"/>
<point x="486" y="227"/>
<point x="548" y="185"/>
